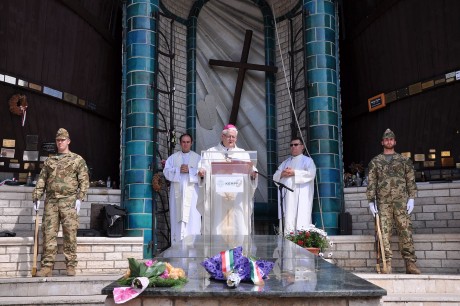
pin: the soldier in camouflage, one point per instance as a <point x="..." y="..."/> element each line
<point x="64" y="179"/>
<point x="391" y="183"/>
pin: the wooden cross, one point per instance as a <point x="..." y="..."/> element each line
<point x="242" y="66"/>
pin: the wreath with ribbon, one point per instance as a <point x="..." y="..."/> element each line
<point x="18" y="106"/>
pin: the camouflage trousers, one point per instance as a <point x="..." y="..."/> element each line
<point x="56" y="212"/>
<point x="395" y="213"/>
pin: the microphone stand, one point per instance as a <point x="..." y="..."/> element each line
<point x="280" y="188"/>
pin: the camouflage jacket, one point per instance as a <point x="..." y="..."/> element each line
<point x="393" y="180"/>
<point x="63" y="176"/>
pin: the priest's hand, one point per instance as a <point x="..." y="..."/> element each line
<point x="201" y="173"/>
<point x="184" y="168"/>
<point x="288" y="172"/>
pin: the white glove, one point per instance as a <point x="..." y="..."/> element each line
<point x="410" y="205"/>
<point x="77" y="206"/>
<point x="373" y="209"/>
<point x="36" y="205"/>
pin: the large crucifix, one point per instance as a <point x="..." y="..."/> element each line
<point x="242" y="66"/>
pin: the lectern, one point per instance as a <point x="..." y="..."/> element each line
<point x="228" y="189"/>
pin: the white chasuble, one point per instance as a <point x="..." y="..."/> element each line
<point x="184" y="216"/>
<point x="299" y="203"/>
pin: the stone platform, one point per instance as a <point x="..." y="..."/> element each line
<point x="298" y="277"/>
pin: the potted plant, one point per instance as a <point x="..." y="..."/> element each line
<point x="313" y="239"/>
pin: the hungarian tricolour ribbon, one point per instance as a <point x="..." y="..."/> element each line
<point x="227" y="261"/>
<point x="256" y="274"/>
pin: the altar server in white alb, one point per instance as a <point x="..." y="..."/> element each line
<point x="298" y="173"/>
<point x="231" y="212"/>
<point x="181" y="170"/>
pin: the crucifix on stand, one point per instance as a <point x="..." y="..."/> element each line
<point x="242" y="66"/>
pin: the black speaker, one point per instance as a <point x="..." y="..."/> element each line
<point x="113" y="220"/>
<point x="345" y="223"/>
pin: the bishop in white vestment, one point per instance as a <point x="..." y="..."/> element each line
<point x="181" y="170"/>
<point x="298" y="173"/>
<point x="226" y="213"/>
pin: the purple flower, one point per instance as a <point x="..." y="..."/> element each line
<point x="149" y="263"/>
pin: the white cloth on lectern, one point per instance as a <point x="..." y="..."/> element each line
<point x="229" y="210"/>
<point x="297" y="204"/>
<point x="185" y="218"/>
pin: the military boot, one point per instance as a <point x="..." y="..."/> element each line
<point x="388" y="270"/>
<point x="71" y="271"/>
<point x="45" y="271"/>
<point x="411" y="268"/>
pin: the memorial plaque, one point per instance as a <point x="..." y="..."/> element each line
<point x="35" y="87"/>
<point x="31" y="142"/>
<point x="70" y="98"/>
<point x="2" y="164"/>
<point x="390" y="97"/>
<point x="457" y="165"/>
<point x="23" y="83"/>
<point x="22" y="177"/>
<point x="450" y="75"/>
<point x="406" y="154"/>
<point x="14" y="161"/>
<point x="428" y="164"/>
<point x="439" y="81"/>
<point x="402" y="93"/>
<point x="419" y="157"/>
<point x="49" y="147"/>
<point x="415" y="88"/>
<point x="8" y="153"/>
<point x="427" y="84"/>
<point x="30" y="156"/>
<point x="445" y="153"/>
<point x="431" y="156"/>
<point x="376" y="102"/>
<point x="15" y="165"/>
<point x="9" y="143"/>
<point x="29" y="166"/>
<point x="447" y="162"/>
<point x="432" y="151"/>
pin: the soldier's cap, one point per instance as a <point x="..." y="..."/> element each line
<point x="62" y="134"/>
<point x="388" y="134"/>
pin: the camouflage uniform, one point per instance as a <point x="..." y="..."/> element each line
<point x="65" y="179"/>
<point x="392" y="183"/>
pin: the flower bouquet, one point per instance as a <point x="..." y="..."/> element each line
<point x="141" y="275"/>
<point x="312" y="237"/>
<point x="232" y="266"/>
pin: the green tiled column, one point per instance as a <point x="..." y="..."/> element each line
<point x="140" y="121"/>
<point x="323" y="110"/>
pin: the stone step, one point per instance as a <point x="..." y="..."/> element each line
<point x="77" y="300"/>
<point x="422" y="299"/>
<point x="420" y="290"/>
<point x="56" y="286"/>
<point x="415" y="284"/>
